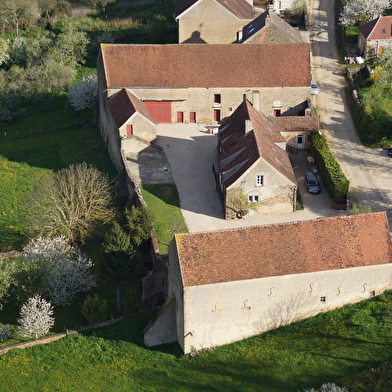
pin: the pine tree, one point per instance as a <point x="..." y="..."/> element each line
<point x="118" y="252"/>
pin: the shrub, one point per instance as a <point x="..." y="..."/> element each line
<point x="335" y="181"/>
<point x="5" y="332"/>
<point x="94" y="309"/>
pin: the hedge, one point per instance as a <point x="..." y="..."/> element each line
<point x="335" y="181"/>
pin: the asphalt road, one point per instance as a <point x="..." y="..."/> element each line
<point x="369" y="170"/>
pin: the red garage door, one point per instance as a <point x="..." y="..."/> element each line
<point x="160" y="110"/>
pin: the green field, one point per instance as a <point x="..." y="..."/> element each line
<point x="322" y="349"/>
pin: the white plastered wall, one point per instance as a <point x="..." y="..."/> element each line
<point x="222" y="313"/>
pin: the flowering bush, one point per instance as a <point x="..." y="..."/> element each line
<point x="35" y="317"/>
<point x="64" y="269"/>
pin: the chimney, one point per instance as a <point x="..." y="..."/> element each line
<point x="256" y="99"/>
<point x="248" y="126"/>
<point x="239" y="35"/>
<point x="267" y="21"/>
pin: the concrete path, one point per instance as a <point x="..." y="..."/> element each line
<point x="191" y="152"/>
<point x="367" y="169"/>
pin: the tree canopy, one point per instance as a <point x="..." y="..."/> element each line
<point x="76" y="202"/>
<point x="357" y="12"/>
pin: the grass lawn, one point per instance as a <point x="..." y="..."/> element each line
<point x="54" y="142"/>
<point x="166" y="209"/>
<point x="351" y="34"/>
<point x="322" y="349"/>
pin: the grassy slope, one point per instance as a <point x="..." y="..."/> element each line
<point x="318" y="350"/>
<point x="55" y="141"/>
<point x="168" y="218"/>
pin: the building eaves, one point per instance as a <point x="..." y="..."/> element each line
<point x="284" y="249"/>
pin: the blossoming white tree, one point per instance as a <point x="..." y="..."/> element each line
<point x="4" y="51"/>
<point x="84" y="94"/>
<point x="362" y="11"/>
<point x="65" y="269"/>
<point x="35" y="317"/>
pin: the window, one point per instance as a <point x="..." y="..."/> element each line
<point x="259" y="180"/>
<point x="217" y="98"/>
<point x="253" y="198"/>
<point x="323" y="299"/>
<point x="383" y="31"/>
<point x="373" y="293"/>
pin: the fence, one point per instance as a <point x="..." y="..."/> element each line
<point x="8" y="136"/>
<point x="58" y="336"/>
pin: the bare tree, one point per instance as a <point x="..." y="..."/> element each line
<point x="75" y="202"/>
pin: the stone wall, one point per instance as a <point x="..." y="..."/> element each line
<point x="222" y="313"/>
<point x="289" y="100"/>
<point x="209" y="22"/>
<point x="57" y="336"/>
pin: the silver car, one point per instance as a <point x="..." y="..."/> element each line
<point x="312" y="183"/>
<point x="314" y="90"/>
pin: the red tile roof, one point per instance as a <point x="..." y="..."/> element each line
<point x="296" y="123"/>
<point x="284" y="249"/>
<point x="240" y="8"/>
<point x="124" y="104"/>
<point x="373" y="29"/>
<point x="247" y="148"/>
<point x="225" y="65"/>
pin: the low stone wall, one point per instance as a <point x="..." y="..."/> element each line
<point x="57" y="336"/>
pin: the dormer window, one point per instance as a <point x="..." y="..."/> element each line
<point x="383" y="31"/>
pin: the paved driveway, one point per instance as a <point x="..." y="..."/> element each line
<point x="369" y="170"/>
<point x="191" y="152"/>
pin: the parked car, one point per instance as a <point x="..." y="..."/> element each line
<point x="314" y="90"/>
<point x="390" y="152"/>
<point x="312" y="183"/>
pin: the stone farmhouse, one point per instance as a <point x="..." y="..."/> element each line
<point x="268" y="28"/>
<point x="375" y="35"/>
<point x="195" y="83"/>
<point x="211" y="21"/>
<point x="255" y="174"/>
<point x="228" y="285"/>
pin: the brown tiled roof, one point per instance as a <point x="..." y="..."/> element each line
<point x="284" y="249"/>
<point x="240" y="8"/>
<point x="260" y="22"/>
<point x="296" y="123"/>
<point x="247" y="148"/>
<point x="187" y="65"/>
<point x="373" y="29"/>
<point x="124" y="104"/>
